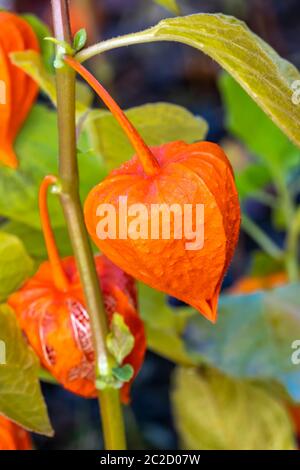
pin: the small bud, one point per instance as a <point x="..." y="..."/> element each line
<point x="79" y="40"/>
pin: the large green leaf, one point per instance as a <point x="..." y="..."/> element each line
<point x="157" y="123"/>
<point x="15" y="264"/>
<point x="164" y="325"/>
<point x="265" y="139"/>
<point x="21" y="399"/>
<point x="214" y="412"/>
<point x="37" y="150"/>
<point x="265" y="76"/>
<point x="253" y="336"/>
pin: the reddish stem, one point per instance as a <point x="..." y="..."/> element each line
<point x="60" y="278"/>
<point x="146" y="157"/>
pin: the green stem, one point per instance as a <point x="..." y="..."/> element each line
<point x="285" y="198"/>
<point x="261" y="238"/>
<point x="111" y="412"/>
<point x="291" y="250"/>
<point x="291" y="218"/>
<point x="114" y="43"/>
<point x="265" y="198"/>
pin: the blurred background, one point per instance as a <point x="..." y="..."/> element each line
<point x="184" y="76"/>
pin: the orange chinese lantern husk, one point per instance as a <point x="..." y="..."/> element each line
<point x="175" y="173"/>
<point x="18" y="90"/>
<point x="184" y="178"/>
<point x="13" y="437"/>
<point x="57" y="325"/>
<point x="51" y="311"/>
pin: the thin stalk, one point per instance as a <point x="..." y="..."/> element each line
<point x="111" y="413"/>
<point x="291" y="250"/>
<point x="146" y="157"/>
<point x="265" y="198"/>
<point x="114" y="43"/>
<point x="59" y="276"/>
<point x="291" y="218"/>
<point x="261" y="238"/>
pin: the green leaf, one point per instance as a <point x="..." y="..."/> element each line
<point x="164" y="325"/>
<point x="84" y="97"/>
<point x="250" y="176"/>
<point x="37" y="150"/>
<point x="170" y="5"/>
<point x="123" y="374"/>
<point x="41" y="30"/>
<point x="21" y="399"/>
<point x="15" y="264"/>
<point x="214" y="412"/>
<point x="252" y="179"/>
<point x="252" y="125"/>
<point x="157" y="123"/>
<point x="253" y="336"/>
<point x="34" y="242"/>
<point x="31" y="63"/>
<point x="264" y="75"/>
<point x="264" y="265"/>
<point x="120" y="341"/>
<point x="80" y="39"/>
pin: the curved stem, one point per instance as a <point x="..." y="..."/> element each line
<point x="59" y="276"/>
<point x="291" y="218"/>
<point x="114" y="43"/>
<point x="111" y="412"/>
<point x="146" y="157"/>
<point x="292" y="247"/>
<point x="261" y="238"/>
